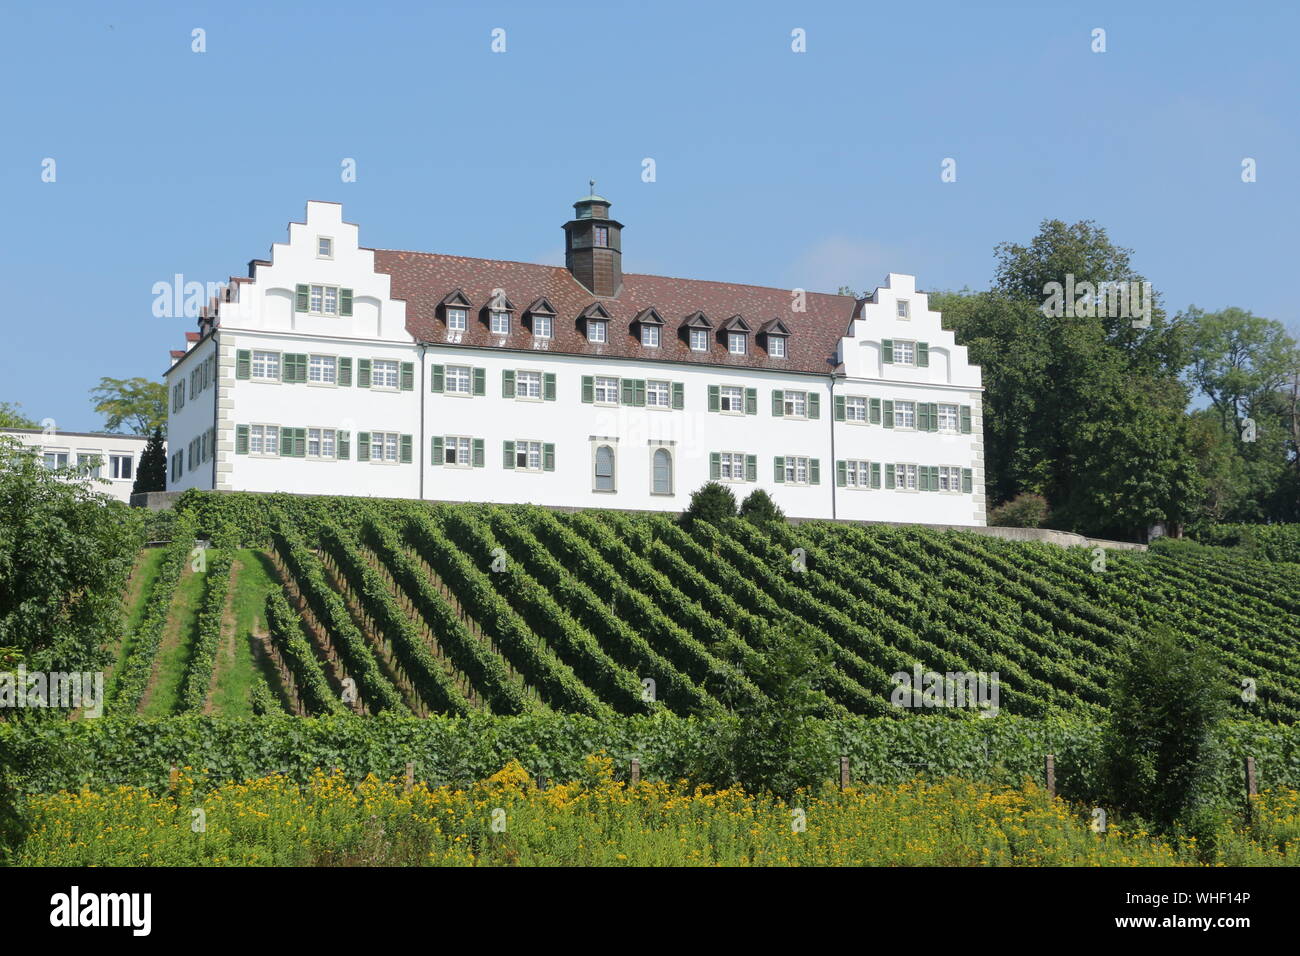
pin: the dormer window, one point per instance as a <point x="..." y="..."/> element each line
<point x="650" y="323"/>
<point x="776" y="346"/>
<point x="539" y="317"/>
<point x="500" y="323"/>
<point x="736" y="343"/>
<point x="699" y="340"/>
<point x="457" y="320"/>
<point x="455" y="312"/>
<point x="650" y="336"/>
<point x="542" y="326"/>
<point x="324" y="247"/>
<point x="773" y="336"/>
<point x="597" y="331"/>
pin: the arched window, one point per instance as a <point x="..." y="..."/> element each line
<point x="662" y="483"/>
<point x="604" y="468"/>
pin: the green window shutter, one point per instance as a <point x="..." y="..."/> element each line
<point x="299" y="442"/>
<point x="548" y="386"/>
<point x="640" y="393"/>
<point x="302" y="298"/>
<point x="363" y="373"/>
<point x="778" y="469"/>
<point x="508" y="383"/>
<point x="345" y="301"/>
<point x="629" y="392"/>
<point x="934" y="416"/>
<point x="841" y="474"/>
<point x="965" y="419"/>
<point x="814" y="471"/>
<point x="407" y="378"/>
<point x="345" y="371"/>
<point x="751" y="468"/>
<point x="873" y="413"/>
<point x="922" y="416"/>
<point x="814" y="405"/>
<point x="435" y="451"/>
<point x="778" y="403"/>
<point x="714" y="402"/>
<point x="715" y="465"/>
<point x="923" y="478"/>
<point x="478" y="381"/>
<point x="302" y="368"/>
<point x="438" y="378"/>
<point x="751" y="401"/>
<point x="839" y="408"/>
<point x="241" y="439"/>
<point x="343" y="445"/>
<point x="363" y="446"/>
<point x="887" y="351"/>
<point x="923" y="354"/>
<point x="588" y="389"/>
<point x="508" y="454"/>
<point x="875" y="474"/>
<point x="966" y="480"/>
<point x="889" y="476"/>
<point x="477" y="451"/>
<point x="548" y="457"/>
<point x="679" y="395"/>
<point x="406" y="449"/>
<point x="889" y="413"/>
<point x="243" y="363"/>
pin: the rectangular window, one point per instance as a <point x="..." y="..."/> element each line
<point x="323" y="300"/>
<point x="264" y="440"/>
<point x="796" y="404"/>
<point x="383" y="446"/>
<point x="947" y="418"/>
<point x="321" y="443"/>
<point x="855" y="409"/>
<point x="857" y="474"/>
<point x="905" y="477"/>
<point x="731" y="466"/>
<point x="796" y="470"/>
<point x="456" y="451"/>
<point x="500" y="323"/>
<point x="323" y="370"/>
<point x="776" y="346"/>
<point x="736" y="343"/>
<point x="89" y="464"/>
<point x="650" y="336"/>
<point x="600" y="236"/>
<point x="528" y="385"/>
<point x="658" y="394"/>
<point x="596" y="331"/>
<point x="542" y="326"/>
<point x="383" y="373"/>
<point x="606" y="390"/>
<point x="528" y="455"/>
<point x="324" y="247"/>
<point x="457" y="379"/>
<point x="457" y="320"/>
<point x="903" y="311"/>
<point x="731" y="398"/>
<point x="949" y="478"/>
<point x="55" y="459"/>
<point x="904" y="353"/>
<point x="120" y="466"/>
<point x="699" y="340"/>
<point x="266" y="366"/>
<point x="904" y="414"/>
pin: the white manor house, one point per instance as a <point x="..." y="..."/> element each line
<point x="337" y="369"/>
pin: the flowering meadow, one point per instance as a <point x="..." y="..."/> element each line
<point x="596" y="820"/>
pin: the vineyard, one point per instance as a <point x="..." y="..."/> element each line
<point x="319" y="606"/>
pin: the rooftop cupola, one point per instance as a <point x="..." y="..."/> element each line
<point x="593" y="245"/>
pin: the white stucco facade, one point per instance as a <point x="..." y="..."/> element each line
<point x="657" y="455"/>
<point x="110" y="461"/>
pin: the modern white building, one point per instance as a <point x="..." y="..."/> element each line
<point x="111" y="459"/>
<point x="338" y="369"/>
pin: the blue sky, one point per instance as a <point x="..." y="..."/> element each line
<point x="812" y="169"/>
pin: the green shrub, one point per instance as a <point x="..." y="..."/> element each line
<point x="711" y="502"/>
<point x="759" y="508"/>
<point x="1023" y="511"/>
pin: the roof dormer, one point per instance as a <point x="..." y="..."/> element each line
<point x="593" y="323"/>
<point x="648" y="326"/>
<point x="734" y="334"/>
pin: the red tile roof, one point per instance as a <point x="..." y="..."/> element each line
<point x="424" y="280"/>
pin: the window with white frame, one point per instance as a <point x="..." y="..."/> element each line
<point x="542" y="326"/>
<point x="528" y="385"/>
<point x="796" y="404"/>
<point x="603" y="468"/>
<point x="949" y="478"/>
<point x="383" y="373"/>
<point x="264" y="439"/>
<point x="528" y="455"/>
<point x="383" y="446"/>
<point x="323" y="370"/>
<point x="456" y="379"/>
<point x="606" y="390"/>
<point x="796" y="470"/>
<point x="947" y="417"/>
<point x="699" y="340"/>
<point x="731" y="398"/>
<point x="857" y="474"/>
<point x="90" y="464"/>
<point x="324" y="247"/>
<point x="596" y="331"/>
<point x="457" y="320"/>
<point x="456" y="451"/>
<point x="905" y="477"/>
<point x="324" y="300"/>
<point x="500" y="323"/>
<point x="855" y="409"/>
<point x="731" y="466"/>
<point x="904" y="312"/>
<point x="736" y="344"/>
<point x="55" y="459"/>
<point x="776" y="346"/>
<point x="904" y="353"/>
<point x="120" y="466"/>
<point x="266" y="365"/>
<point x="658" y="394"/>
<point x="661" y="472"/>
<point x="320" y="443"/>
<point x="904" y="414"/>
<point x="650" y="336"/>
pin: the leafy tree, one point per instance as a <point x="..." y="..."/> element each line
<point x="711" y="502"/>
<point x="12" y="417"/>
<point x="1239" y="360"/>
<point x="1023" y="511"/>
<point x="759" y="508"/>
<point x="135" y="402"/>
<point x="151" y="473"/>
